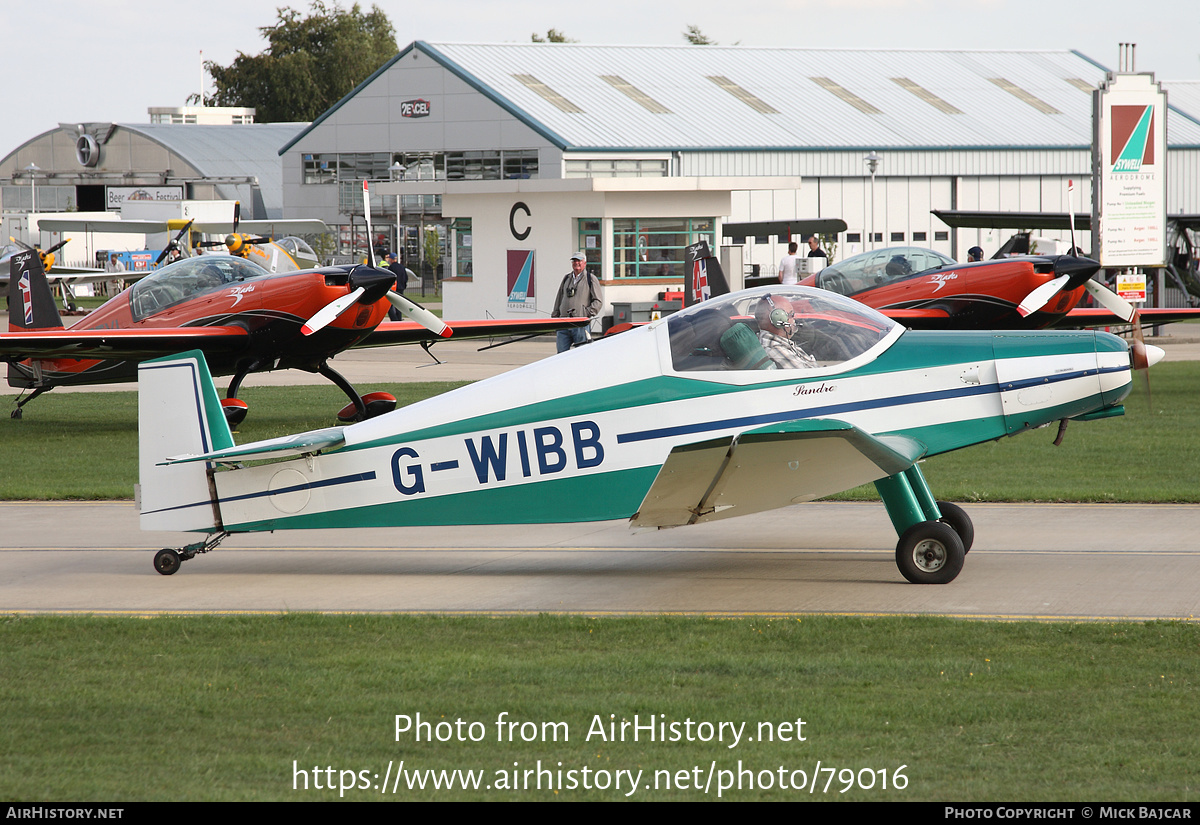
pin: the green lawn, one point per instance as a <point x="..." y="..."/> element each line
<point x="252" y="708"/>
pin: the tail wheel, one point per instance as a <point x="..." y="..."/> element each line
<point x="958" y="519"/>
<point x="930" y="553"/>
<point x="167" y="561"/>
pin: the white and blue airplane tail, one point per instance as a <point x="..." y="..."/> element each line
<point x="179" y="413"/>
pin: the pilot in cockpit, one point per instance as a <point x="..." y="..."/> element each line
<point x="777" y="326"/>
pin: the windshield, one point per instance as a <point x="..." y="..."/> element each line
<point x="879" y="267"/>
<point x="772" y="328"/>
<point x="188" y="279"/>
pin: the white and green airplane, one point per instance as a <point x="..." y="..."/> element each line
<point x="742" y="403"/>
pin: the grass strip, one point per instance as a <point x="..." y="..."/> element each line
<point x="230" y="708"/>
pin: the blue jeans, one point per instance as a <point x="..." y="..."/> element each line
<point x="567" y="337"/>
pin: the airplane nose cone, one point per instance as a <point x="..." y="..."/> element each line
<point x="1154" y="354"/>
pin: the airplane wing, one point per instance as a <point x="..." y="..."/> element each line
<point x="908" y="317"/>
<point x="769" y="467"/>
<point x="390" y="333"/>
<point x="120" y="344"/>
<point x="299" y="226"/>
<point x="1098" y="316"/>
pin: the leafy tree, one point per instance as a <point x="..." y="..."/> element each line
<point x="552" y="36"/>
<point x="311" y="63"/>
<point x="696" y="37"/>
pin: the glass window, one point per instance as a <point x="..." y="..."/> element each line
<point x="463" y="249"/>
<point x="879" y="267"/>
<point x="617" y="168"/>
<point x="590" y="244"/>
<point x="188" y="279"/>
<point x="774" y="328"/>
<point x="656" y="247"/>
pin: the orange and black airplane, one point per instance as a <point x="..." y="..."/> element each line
<point x="924" y="289"/>
<point x="244" y="318"/>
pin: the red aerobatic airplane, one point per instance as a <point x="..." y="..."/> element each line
<point x="242" y="317"/>
<point x="923" y="289"/>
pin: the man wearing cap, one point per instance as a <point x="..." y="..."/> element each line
<point x="579" y="296"/>
<point x="975" y="253"/>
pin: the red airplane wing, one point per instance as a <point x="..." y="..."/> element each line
<point x="390" y="333"/>
<point x="909" y="315"/>
<point x="121" y="344"/>
<point x="1099" y="317"/>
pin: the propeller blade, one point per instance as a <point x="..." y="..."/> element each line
<point x="56" y="247"/>
<point x="328" y="313"/>
<point x="420" y="314"/>
<point x="367" y="217"/>
<point x="1041" y="296"/>
<point x="174" y="241"/>
<point x="1111" y="301"/>
<point x="237" y="215"/>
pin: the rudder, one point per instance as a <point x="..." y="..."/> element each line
<point x="179" y="412"/>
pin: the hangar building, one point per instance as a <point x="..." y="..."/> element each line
<point x="94" y="167"/>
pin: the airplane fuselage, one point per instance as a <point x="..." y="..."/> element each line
<point x="560" y="440"/>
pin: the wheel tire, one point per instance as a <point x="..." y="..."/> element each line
<point x="959" y="521"/>
<point x="930" y="553"/>
<point x="167" y="561"/>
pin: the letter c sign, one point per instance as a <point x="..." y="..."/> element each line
<point x="512" y="216"/>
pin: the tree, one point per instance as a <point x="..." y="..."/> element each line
<point x="311" y="63"/>
<point x="696" y="37"/>
<point x="552" y="36"/>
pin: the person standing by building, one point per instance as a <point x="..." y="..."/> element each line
<point x="814" y="248"/>
<point x="787" y="265"/>
<point x="579" y="296"/>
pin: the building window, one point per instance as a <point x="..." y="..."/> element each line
<point x="655" y="247"/>
<point x="616" y="168"/>
<point x="463" y="249"/>
<point x="320" y="168"/>
<point x="591" y="244"/>
<point x="941" y="236"/>
<point x="853" y="237"/>
<point x="897" y="237"/>
<point x="919" y="236"/>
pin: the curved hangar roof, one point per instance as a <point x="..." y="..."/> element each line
<point x="189" y="150"/>
<point x="582" y="97"/>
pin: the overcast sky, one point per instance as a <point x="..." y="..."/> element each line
<point x="70" y="60"/>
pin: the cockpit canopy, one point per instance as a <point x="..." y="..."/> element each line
<point x="770" y="328"/>
<point x="187" y="279"/>
<point x="878" y="267"/>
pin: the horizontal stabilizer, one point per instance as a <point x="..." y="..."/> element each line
<point x="767" y="468"/>
<point x="309" y="443"/>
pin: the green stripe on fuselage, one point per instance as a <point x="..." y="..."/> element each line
<point x="592" y="497"/>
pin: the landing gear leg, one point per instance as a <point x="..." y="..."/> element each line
<point x="360" y="408"/>
<point x="19" y="412"/>
<point x="235" y="409"/>
<point x="931" y="549"/>
<point x="167" y="561"/>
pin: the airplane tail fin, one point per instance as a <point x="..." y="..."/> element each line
<point x="31" y="303"/>
<point x="704" y="277"/>
<point x="179" y="412"/>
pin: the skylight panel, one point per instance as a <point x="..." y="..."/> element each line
<point x="635" y="94"/>
<point x="846" y="95"/>
<point x="535" y="85"/>
<point x="743" y="95"/>
<point x="1080" y="84"/>
<point x="1020" y="94"/>
<point x="926" y="95"/>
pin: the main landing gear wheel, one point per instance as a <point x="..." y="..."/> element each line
<point x="930" y="553"/>
<point x="958" y="519"/>
<point x="167" y="561"/>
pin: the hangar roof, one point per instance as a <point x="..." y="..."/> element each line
<point x="249" y="149"/>
<point x="586" y="97"/>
